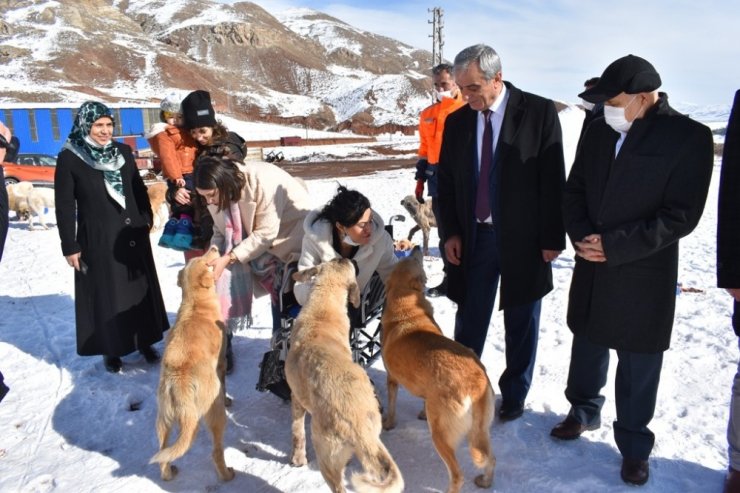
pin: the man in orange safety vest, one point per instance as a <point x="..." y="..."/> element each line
<point x="448" y="98"/>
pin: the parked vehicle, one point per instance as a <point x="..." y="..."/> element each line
<point x="36" y="168"/>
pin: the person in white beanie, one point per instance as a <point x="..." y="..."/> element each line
<point x="176" y="149"/>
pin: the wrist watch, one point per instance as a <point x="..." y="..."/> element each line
<point x="232" y="258"/>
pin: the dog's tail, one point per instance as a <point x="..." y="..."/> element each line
<point x="188" y="430"/>
<point x="479" y="440"/>
<point x="381" y="472"/>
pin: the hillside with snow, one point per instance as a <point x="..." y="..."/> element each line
<point x="301" y="67"/>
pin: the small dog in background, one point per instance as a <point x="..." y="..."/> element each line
<point x="157" y="193"/>
<point x="17" y="193"/>
<point x="193" y="375"/>
<point x="37" y="202"/>
<point x="422" y="216"/>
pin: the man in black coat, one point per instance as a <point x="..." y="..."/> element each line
<point x="638" y="185"/>
<point x="504" y="222"/>
<point x="728" y="270"/>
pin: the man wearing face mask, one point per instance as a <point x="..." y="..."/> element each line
<point x="448" y="98"/>
<point x="638" y="185"/>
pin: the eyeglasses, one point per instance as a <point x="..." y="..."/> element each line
<point x="365" y="225"/>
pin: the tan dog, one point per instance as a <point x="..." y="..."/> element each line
<point x="158" y="199"/>
<point x="336" y="392"/>
<point x="192" y="379"/>
<point x="449" y="377"/>
<point x="423" y="217"/>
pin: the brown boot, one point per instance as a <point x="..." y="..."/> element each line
<point x="635" y="471"/>
<point x="570" y="428"/>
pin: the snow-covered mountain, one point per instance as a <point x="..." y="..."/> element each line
<point x="301" y="67"/>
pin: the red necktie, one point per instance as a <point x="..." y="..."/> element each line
<point x="482" y="202"/>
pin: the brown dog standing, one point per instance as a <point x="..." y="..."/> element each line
<point x="449" y="377"/>
<point x="336" y="391"/>
<point x="192" y="379"/>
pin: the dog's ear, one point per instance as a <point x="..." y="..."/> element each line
<point x="206" y="277"/>
<point x="306" y="274"/>
<point x="354" y="294"/>
<point x="179" y="277"/>
<point x="420" y="280"/>
<point x="417" y="255"/>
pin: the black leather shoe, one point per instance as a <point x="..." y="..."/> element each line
<point x="150" y="354"/>
<point x="732" y="481"/>
<point x="112" y="364"/>
<point x="439" y="290"/>
<point x="571" y="428"/>
<point x="635" y="471"/>
<point x="510" y="412"/>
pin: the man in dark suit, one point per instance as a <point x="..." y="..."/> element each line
<point x="728" y="270"/>
<point x="638" y="185"/>
<point x="501" y="174"/>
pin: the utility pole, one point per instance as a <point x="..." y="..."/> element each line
<point x="437" y="35"/>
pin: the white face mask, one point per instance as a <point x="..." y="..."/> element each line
<point x="615" y="117"/>
<point x="588" y="106"/>
<point x="349" y="241"/>
<point x="439" y="95"/>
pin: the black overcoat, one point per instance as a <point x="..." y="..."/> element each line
<point x="728" y="213"/>
<point x="530" y="156"/>
<point x="118" y="302"/>
<point x="641" y="203"/>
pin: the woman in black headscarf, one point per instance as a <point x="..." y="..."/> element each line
<point x="103" y="216"/>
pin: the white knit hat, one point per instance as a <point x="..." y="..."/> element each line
<point x="171" y="102"/>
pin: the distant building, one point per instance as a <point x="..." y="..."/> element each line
<point x="43" y="128"/>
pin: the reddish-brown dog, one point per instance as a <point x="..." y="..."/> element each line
<point x="457" y="394"/>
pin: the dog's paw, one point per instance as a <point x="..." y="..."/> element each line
<point x="483" y="481"/>
<point x="298" y="459"/>
<point x="168" y="472"/>
<point x="389" y="423"/>
<point x="228" y="475"/>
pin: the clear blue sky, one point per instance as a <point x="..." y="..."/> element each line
<point x="551" y="46"/>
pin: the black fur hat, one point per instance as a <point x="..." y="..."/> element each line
<point x="197" y="110"/>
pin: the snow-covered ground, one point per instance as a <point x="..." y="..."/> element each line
<point x="67" y="425"/>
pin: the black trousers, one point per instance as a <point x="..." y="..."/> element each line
<point x="440" y="232"/>
<point x="635" y="392"/>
